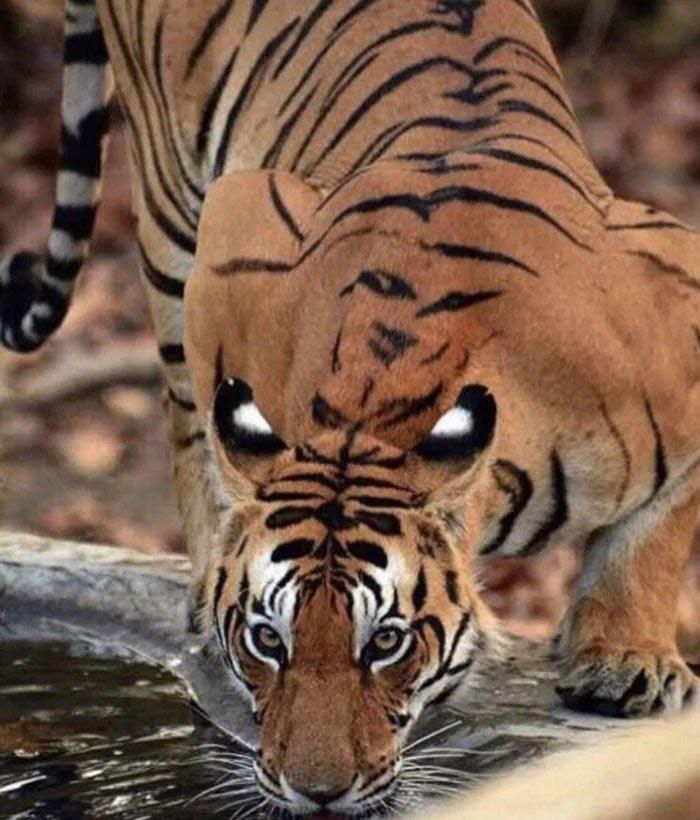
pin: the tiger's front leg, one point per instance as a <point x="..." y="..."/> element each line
<point x="621" y="645"/>
<point x="196" y="496"/>
<point x="164" y="270"/>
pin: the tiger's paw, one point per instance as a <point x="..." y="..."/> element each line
<point x="627" y="683"/>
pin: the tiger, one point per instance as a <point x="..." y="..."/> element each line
<point x="405" y="327"/>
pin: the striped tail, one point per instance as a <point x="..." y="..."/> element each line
<point x="35" y="290"/>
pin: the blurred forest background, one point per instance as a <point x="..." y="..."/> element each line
<point x="82" y="438"/>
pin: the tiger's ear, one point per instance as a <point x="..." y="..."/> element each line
<point x="243" y="441"/>
<point x="445" y="463"/>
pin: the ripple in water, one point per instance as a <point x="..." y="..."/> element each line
<point x="97" y="738"/>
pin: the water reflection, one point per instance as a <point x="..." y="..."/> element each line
<point x="85" y="737"/>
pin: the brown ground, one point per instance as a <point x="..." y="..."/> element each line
<point x="93" y="464"/>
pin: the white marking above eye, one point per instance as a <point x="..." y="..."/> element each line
<point x="456" y="423"/>
<point x="248" y="417"/>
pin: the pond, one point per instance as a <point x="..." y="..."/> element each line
<point x="89" y="737"/>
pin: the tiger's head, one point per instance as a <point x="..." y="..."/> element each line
<point x="341" y="600"/>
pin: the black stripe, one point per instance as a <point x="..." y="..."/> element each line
<point x="517" y="485"/>
<point x="457" y="300"/>
<point x="476" y="255"/>
<point x="292" y="550"/>
<point x="515" y="106"/>
<point x="387" y="138"/>
<point x="81" y="153"/>
<point x="161" y="282"/>
<point x="452" y="586"/>
<point x="180" y="238"/>
<point x="326" y="416"/>
<point x="369" y="552"/>
<point x="423" y="206"/>
<point x="407" y="408"/>
<point x="288" y="516"/>
<point x="327" y="107"/>
<point x="282" y="210"/>
<point x="212" y="26"/>
<point x="436" y="356"/>
<point x="85" y="47"/>
<point x="279" y="586"/>
<point x="270" y="497"/>
<point x="322" y="6"/>
<point x="271" y="158"/>
<point x="183" y="404"/>
<point x="435" y="624"/>
<point x="256" y="9"/>
<point x="382" y="523"/>
<point x="420" y="591"/>
<point x="313" y="67"/>
<point x="228" y="617"/>
<point x="75" y="220"/>
<point x="537" y="165"/>
<point x="676" y="271"/>
<point x="211" y="104"/>
<point x="495" y="45"/>
<point x="550" y="92"/>
<point x="241" y="265"/>
<point x="624" y="451"/>
<point x="560" y="508"/>
<point x="390" y="85"/>
<point x="66" y="270"/>
<point x="372" y="586"/>
<point x="219" y="588"/>
<point x="358" y="8"/>
<point x="376" y="44"/>
<point x="642" y="226"/>
<point x="383" y="283"/>
<point x="251" y="82"/>
<point x="172" y="354"/>
<point x="164" y="110"/>
<point x="660" y="467"/>
<point x="336" y="364"/>
<point x="391" y="344"/>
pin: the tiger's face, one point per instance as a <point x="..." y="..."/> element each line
<point x="342" y="602"/>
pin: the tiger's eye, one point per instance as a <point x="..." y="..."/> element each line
<point x="268" y="638"/>
<point x="386" y="640"/>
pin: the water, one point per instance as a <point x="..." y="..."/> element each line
<point x="83" y="736"/>
<point x="96" y="738"/>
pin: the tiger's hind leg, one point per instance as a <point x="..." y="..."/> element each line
<point x="623" y="659"/>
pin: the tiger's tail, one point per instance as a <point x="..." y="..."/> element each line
<point x="36" y="290"/>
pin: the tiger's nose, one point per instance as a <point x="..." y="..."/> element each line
<point x="322" y="795"/>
